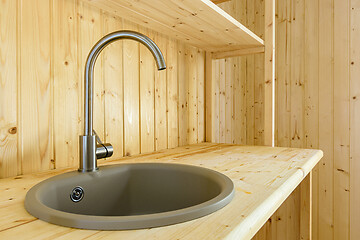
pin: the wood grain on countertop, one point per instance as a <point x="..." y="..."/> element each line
<point x="263" y="177"/>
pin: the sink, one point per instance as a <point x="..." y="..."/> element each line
<point x="130" y="196"/>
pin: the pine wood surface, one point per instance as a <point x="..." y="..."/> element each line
<point x="317" y="104"/>
<point x="200" y="23"/>
<point x="263" y="176"/>
<point x="136" y="107"/>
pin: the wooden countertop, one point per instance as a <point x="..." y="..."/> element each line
<point x="263" y="176"/>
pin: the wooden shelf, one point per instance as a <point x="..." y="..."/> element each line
<point x="198" y="22"/>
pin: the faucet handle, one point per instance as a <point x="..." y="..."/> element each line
<point x="103" y="150"/>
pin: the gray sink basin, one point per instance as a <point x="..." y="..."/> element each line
<point x="129" y="196"/>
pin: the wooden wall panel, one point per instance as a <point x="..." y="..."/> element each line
<point x="183" y="113"/>
<point x="191" y="78"/>
<point x="316" y="107"/>
<point x="147" y="98"/>
<point x="161" y="140"/>
<point x="250" y="79"/>
<point x="311" y="118"/>
<point x="67" y="85"/>
<point x="354" y="120"/>
<point x="240" y="83"/>
<point x="222" y="98"/>
<point x="35" y="98"/>
<point x="139" y="109"/>
<point x="9" y="163"/>
<point x="341" y="119"/>
<point x="200" y="74"/>
<point x="328" y="109"/>
<point x="172" y="94"/>
<point x="259" y="28"/>
<point x="44" y="46"/>
<point x="90" y="22"/>
<point x="326" y="165"/>
<point x="132" y="131"/>
<point x="113" y="88"/>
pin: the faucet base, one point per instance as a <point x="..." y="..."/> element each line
<point x="87" y="145"/>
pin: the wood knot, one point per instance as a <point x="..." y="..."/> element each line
<point x="12" y="130"/>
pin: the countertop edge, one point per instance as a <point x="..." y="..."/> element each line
<point x="262" y="213"/>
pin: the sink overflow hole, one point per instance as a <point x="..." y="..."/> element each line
<point x="77" y="194"/>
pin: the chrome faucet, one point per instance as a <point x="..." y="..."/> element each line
<point x="91" y="147"/>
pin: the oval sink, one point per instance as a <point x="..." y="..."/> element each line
<point x="129" y="196"/>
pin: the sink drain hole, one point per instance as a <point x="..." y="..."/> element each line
<point x="77" y="194"/>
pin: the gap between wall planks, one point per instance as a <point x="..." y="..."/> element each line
<point x="43" y="110"/>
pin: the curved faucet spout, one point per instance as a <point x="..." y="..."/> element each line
<point x="90" y="63"/>
<point x="88" y="141"/>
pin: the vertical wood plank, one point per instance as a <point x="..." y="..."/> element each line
<point x="240" y="105"/>
<point x="200" y="61"/>
<point x="147" y="98"/>
<point x="35" y="86"/>
<point x="250" y="80"/>
<point x="114" y="93"/>
<point x="226" y="89"/>
<point x="67" y="85"/>
<point x="229" y="100"/>
<point x="297" y="74"/>
<point x="182" y="93"/>
<point x="306" y="207"/>
<point x="354" y="120"/>
<point x="90" y="24"/>
<point x="283" y="98"/>
<point x="269" y="70"/>
<point x="216" y="99"/>
<point x="8" y="90"/>
<point x="131" y="93"/>
<point x="341" y="119"/>
<point x="297" y="106"/>
<point x="172" y="93"/>
<point x="209" y="97"/>
<point x="311" y="113"/>
<point x="326" y="81"/>
<point x="191" y="78"/>
<point x="239" y="102"/>
<point x="259" y="77"/>
<point x="222" y="112"/>
<point x="161" y="139"/>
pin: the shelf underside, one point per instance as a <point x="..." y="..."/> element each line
<point x="200" y="23"/>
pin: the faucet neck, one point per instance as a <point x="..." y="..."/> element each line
<point x="88" y="147"/>
<point x="90" y="64"/>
